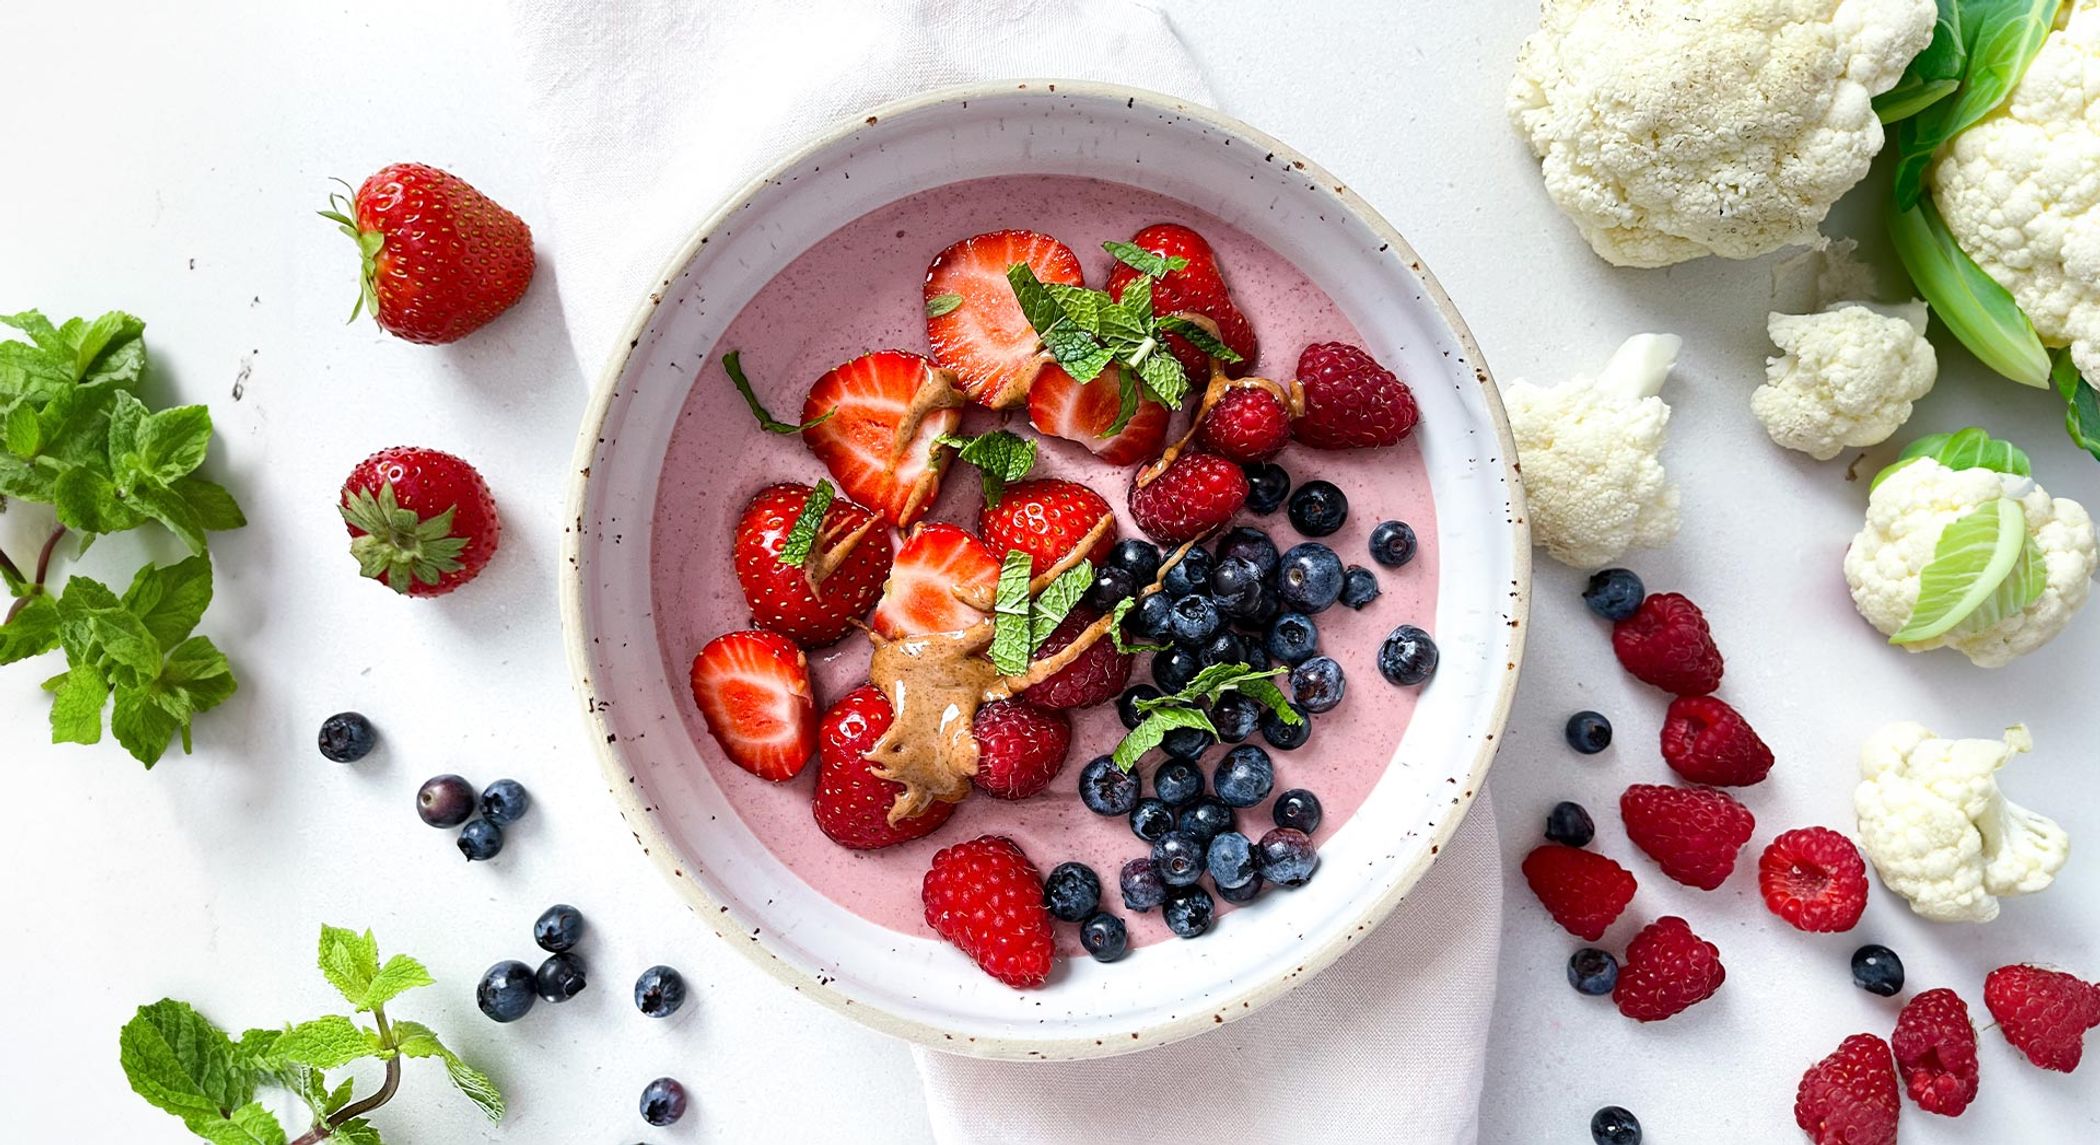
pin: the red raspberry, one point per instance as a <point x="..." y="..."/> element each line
<point x="1814" y="879"/>
<point x="1096" y="676"/>
<point x="1706" y="741"/>
<point x="987" y="898"/>
<point x="1247" y="424"/>
<point x="1020" y="747"/>
<point x="1849" y="1098"/>
<point x="852" y="804"/>
<point x="1692" y="833"/>
<point x="1351" y="402"/>
<point x="2043" y="1013"/>
<point x="1668" y="970"/>
<point x="1666" y="643"/>
<point x="1936" y="1052"/>
<point x="1197" y="494"/>
<point x="1582" y="890"/>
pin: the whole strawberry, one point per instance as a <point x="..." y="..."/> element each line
<point x="1666" y="643"/>
<point x="1197" y="494"/>
<point x="1668" y="970"/>
<point x="1935" y="1049"/>
<point x="1197" y="288"/>
<point x="2043" y="1013"/>
<point x="1692" y="833"/>
<point x="852" y="804"/>
<point x="1048" y="519"/>
<point x="1583" y="891"/>
<point x="1020" y="747"/>
<point x="1248" y="424"/>
<point x="987" y="898"/>
<point x="441" y="259"/>
<point x="814" y="602"/>
<point x="421" y="521"/>
<point x="1814" y="879"/>
<point x="1095" y="676"/>
<point x="1849" y="1098"/>
<point x="1350" y="401"/>
<point x="1706" y="741"/>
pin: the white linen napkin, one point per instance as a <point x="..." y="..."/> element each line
<point x="651" y="113"/>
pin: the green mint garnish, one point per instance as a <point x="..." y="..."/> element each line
<point x="1186" y="707"/>
<point x="802" y="537"/>
<point x="1115" y="629"/>
<point x="1012" y="629"/>
<point x="766" y="420"/>
<point x="1001" y="457"/>
<point x="1975" y="557"/>
<point x="1201" y="338"/>
<point x="941" y="304"/>
<point x="1153" y="729"/>
<point x="1145" y="262"/>
<point x="1056" y="602"/>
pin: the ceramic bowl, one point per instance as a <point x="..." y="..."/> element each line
<point x="635" y="693"/>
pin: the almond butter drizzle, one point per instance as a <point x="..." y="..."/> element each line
<point x="936" y="392"/>
<point x="831" y="550"/>
<point x="1290" y="396"/>
<point x="935" y="684"/>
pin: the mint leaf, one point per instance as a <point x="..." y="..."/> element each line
<point x="1150" y="263"/>
<point x="24" y="431"/>
<point x="1079" y="306"/>
<point x="163" y="504"/>
<point x="356" y="1131"/>
<point x="1126" y="325"/>
<point x="415" y="1040"/>
<point x="87" y="501"/>
<point x="1115" y="629"/>
<point x="170" y="599"/>
<point x="942" y="304"/>
<point x="172" y="442"/>
<point x="1974" y="555"/>
<point x="213" y="507"/>
<point x="195" y="678"/>
<point x="32" y="632"/>
<point x="123" y="642"/>
<point x="349" y="961"/>
<point x="1056" y="602"/>
<point x="802" y="538"/>
<point x="77" y="698"/>
<point x="1037" y="303"/>
<point x="400" y="975"/>
<point x="325" y="1043"/>
<point x="181" y="1063"/>
<point x="1164" y="379"/>
<point x="1081" y="354"/>
<point x="1198" y="337"/>
<point x="1264" y="691"/>
<point x="1011" y="610"/>
<point x="766" y="421"/>
<point x="251" y="1124"/>
<point x="109" y="351"/>
<point x="1153" y="729"/>
<point x="142" y="726"/>
<point x="1001" y="457"/>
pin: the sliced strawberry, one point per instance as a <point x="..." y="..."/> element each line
<point x="852" y="804"/>
<point x="1198" y="288"/>
<point x="753" y="691"/>
<point x="939" y="565"/>
<point x="1061" y="407"/>
<point x="815" y="603"/>
<point x="887" y="412"/>
<point x="975" y="324"/>
<point x="1048" y="519"/>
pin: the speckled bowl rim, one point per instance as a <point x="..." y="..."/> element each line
<point x="726" y="923"/>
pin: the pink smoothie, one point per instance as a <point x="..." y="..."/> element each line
<point x="859" y="290"/>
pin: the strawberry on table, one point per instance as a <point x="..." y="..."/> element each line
<point x="1196" y="288"/>
<point x="1692" y="833"/>
<point x="1668" y="970"/>
<point x="1814" y="878"/>
<point x="1020" y="747"/>
<point x="1049" y="519"/>
<point x="876" y="424"/>
<point x="1935" y="1047"/>
<point x="1584" y="891"/>
<point x="975" y="324"/>
<point x="937" y="571"/>
<point x="1350" y="401"/>
<point x="1196" y="494"/>
<point x="1849" y="1098"/>
<point x="809" y="584"/>
<point x="421" y="521"/>
<point x="2043" y="1013"/>
<point x="1061" y="407"/>
<point x="753" y="690"/>
<point x="987" y="898"/>
<point x="441" y="259"/>
<point x="852" y="804"/>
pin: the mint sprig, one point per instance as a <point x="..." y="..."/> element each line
<point x="1011" y="630"/>
<point x="732" y="366"/>
<point x="1145" y="262"/>
<point x="1002" y="457"/>
<point x="1056" y="602"/>
<point x="1123" y="643"/>
<point x="802" y="535"/>
<point x="941" y="304"/>
<point x="1187" y="707"/>
<point x="181" y="1063"/>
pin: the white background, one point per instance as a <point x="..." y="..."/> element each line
<point x="164" y="160"/>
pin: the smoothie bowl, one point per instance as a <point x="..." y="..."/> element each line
<point x="944" y="445"/>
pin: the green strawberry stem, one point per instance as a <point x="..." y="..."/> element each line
<point x="399" y="546"/>
<point x="342" y="211"/>
<point x="43" y="569"/>
<point x="378" y="1097"/>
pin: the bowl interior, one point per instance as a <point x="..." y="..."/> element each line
<point x="627" y="656"/>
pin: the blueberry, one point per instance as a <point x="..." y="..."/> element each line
<point x="1126" y="704"/>
<point x="1186" y="743"/>
<point x="504" y="802"/>
<point x="1190" y="574"/>
<point x="1178" y="857"/>
<point x="1614" y="594"/>
<point x="1224" y="648"/>
<point x="1230" y="860"/>
<point x="1250" y="545"/>
<point x="659" y="992"/>
<point x="1613" y="1125"/>
<point x="1877" y="970"/>
<point x="1318" y="508"/>
<point x="1174" y="668"/>
<point x="1141" y="885"/>
<point x="1245" y="776"/>
<point x="1151" y="819"/>
<point x="1189" y="912"/>
<point x="1104" y="937"/>
<point x="559" y="978"/>
<point x="663" y="1102"/>
<point x="1359" y="587"/>
<point x="1111" y="587"/>
<point x="480" y="839"/>
<point x="1318" y="684"/>
<point x="1293" y="638"/>
<point x="1408" y="656"/>
<point x="1297" y="809"/>
<point x="1194" y="618"/>
<point x="1267" y="486"/>
<point x="1592" y="971"/>
<point x="1569" y="823"/>
<point x="1253" y="654"/>
<point x="1235" y="717"/>
<point x="1287" y="857"/>
<point x="446" y="801"/>
<point x="1205" y="819"/>
<point x="1310" y="578"/>
<point x="506" y="992"/>
<point x="347" y="737"/>
<point x="1136" y="556"/>
<point x="1107" y="789"/>
<point x="1245" y="892"/>
<point x="1235" y="585"/>
<point x="1072" y="891"/>
<point x="1286" y="736"/>
<point x="558" y="927"/>
<point x="1588" y="732"/>
<point x="1177" y="782"/>
<point x="1393" y="543"/>
<point x="1152" y="617"/>
<point x="1258" y="612"/>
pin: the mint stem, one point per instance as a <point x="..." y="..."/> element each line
<point x="378" y="1097"/>
<point x="14" y="571"/>
<point x="43" y="568"/>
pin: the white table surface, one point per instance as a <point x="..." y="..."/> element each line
<point x="165" y="159"/>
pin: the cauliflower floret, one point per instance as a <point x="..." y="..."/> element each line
<point x="1848" y="377"/>
<point x="1905" y="516"/>
<point x="1939" y="832"/>
<point x="1673" y="129"/>
<point x="2021" y="190"/>
<point x="1591" y="456"/>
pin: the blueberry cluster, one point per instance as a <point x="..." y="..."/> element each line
<point x="1072" y="892"/>
<point x="448" y="801"/>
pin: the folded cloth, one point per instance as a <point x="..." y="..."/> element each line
<point x="649" y="114"/>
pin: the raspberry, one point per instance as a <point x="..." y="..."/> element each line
<point x="1248" y="424"/>
<point x="1095" y="676"/>
<point x="1020" y="747"/>
<point x="1194" y="495"/>
<point x="1666" y="643"/>
<point x="987" y="898"/>
<point x="1582" y="890"/>
<point x="1849" y="1098"/>
<point x="1936" y="1052"/>
<point x="2043" y="1013"/>
<point x="1351" y="402"/>
<point x="1814" y="879"/>
<point x="1706" y="741"/>
<point x="1692" y="833"/>
<point x="1668" y="970"/>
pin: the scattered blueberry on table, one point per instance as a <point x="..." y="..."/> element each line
<point x="1592" y="971"/>
<point x="560" y="977"/>
<point x="659" y="992"/>
<point x="663" y="1102"/>
<point x="480" y="840"/>
<point x="445" y="801"/>
<point x="1297" y="809"/>
<point x="1877" y="970"/>
<point x="1359" y="587"/>
<point x="1072" y="891"/>
<point x="1104" y="936"/>
<point x="506" y="991"/>
<point x="1614" y="594"/>
<point x="1393" y="543"/>
<point x="1408" y="656"/>
<point x="504" y="802"/>
<point x="1588" y="732"/>
<point x="1570" y="823"/>
<point x="1613" y="1125"/>
<point x="1318" y="508"/>
<point x="1106" y="789"/>
<point x="347" y="737"/>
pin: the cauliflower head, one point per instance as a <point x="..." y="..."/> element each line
<point x="1938" y="830"/>
<point x="1847" y="377"/>
<point x="1905" y="516"/>
<point x="2020" y="191"/>
<point x="1591" y="454"/>
<point x="1674" y="129"/>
